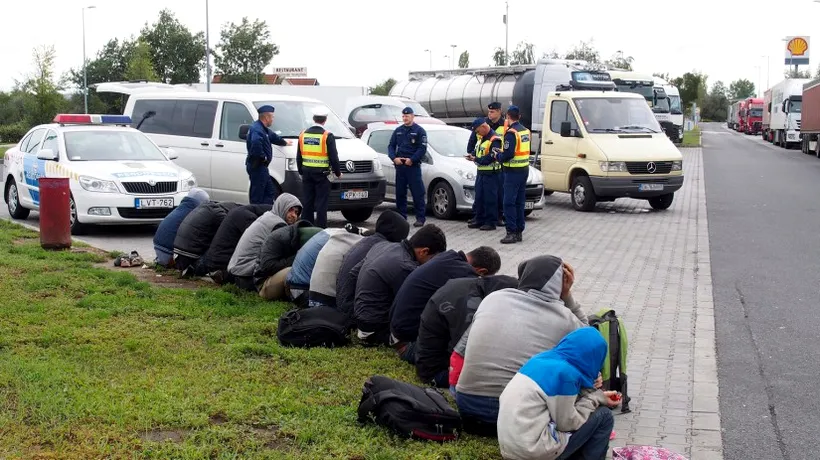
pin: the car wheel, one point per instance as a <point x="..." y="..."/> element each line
<point x="16" y="210"/>
<point x="357" y="215"/>
<point x="662" y="202"/>
<point x="76" y="227"/>
<point x="548" y="192"/>
<point x="443" y="201"/>
<point x="583" y="195"/>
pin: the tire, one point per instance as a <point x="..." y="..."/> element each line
<point x="582" y="194"/>
<point x="357" y="215"/>
<point x="76" y="227"/>
<point x="548" y="192"/>
<point x="528" y="212"/>
<point x="16" y="210"/>
<point x="661" y="202"/>
<point x="443" y="200"/>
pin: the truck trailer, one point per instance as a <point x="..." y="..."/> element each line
<point x="810" y="118"/>
<point x="734" y="115"/>
<point x="767" y="113"/>
<point x="786" y="105"/>
<point x="751" y="115"/>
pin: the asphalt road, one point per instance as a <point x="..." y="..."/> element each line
<point x="763" y="205"/>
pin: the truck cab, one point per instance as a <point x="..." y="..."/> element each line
<point x="654" y="94"/>
<point x="602" y="145"/>
<point x="751" y="115"/>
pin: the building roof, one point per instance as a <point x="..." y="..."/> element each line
<point x="272" y="79"/>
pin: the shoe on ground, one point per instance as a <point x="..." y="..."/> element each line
<point x="487" y="228"/>
<point x="471" y="221"/>
<point x="474" y="225"/>
<point x="509" y="239"/>
<point x="519" y="236"/>
<point x="501" y="222"/>
<point x="217" y="277"/>
<point x="418" y="224"/>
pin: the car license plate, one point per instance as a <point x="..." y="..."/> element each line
<point x="354" y="195"/>
<point x="153" y="203"/>
<point x="529" y="205"/>
<point x="650" y="187"/>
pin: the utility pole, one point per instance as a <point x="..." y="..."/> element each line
<point x="453" y="54"/>
<point x="207" y="52"/>
<point x="85" y="63"/>
<point x="430" y="56"/>
<point x="507" y="33"/>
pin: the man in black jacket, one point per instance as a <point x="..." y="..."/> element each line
<point x="444" y="320"/>
<point x="316" y="155"/>
<point x="405" y="313"/>
<point x="381" y="275"/>
<point x="277" y="254"/>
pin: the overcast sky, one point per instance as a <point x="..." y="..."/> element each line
<point x="362" y="42"/>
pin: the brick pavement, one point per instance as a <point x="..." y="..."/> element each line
<point x="653" y="268"/>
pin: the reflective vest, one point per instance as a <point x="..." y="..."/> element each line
<point x="522" y="149"/>
<point x="314" y="150"/>
<point x="502" y="129"/>
<point x="483" y="148"/>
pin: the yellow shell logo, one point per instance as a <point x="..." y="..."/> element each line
<point x="797" y="46"/>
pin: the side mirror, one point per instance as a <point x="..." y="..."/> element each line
<point x="171" y="153"/>
<point x="48" y="155"/>
<point x="566" y="129"/>
<point x="783" y="108"/>
<point x="243" y="131"/>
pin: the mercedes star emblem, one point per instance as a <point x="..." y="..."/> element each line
<point x="350" y="166"/>
<point x="651" y="167"/>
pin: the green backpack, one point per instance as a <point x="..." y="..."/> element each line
<point x="614" y="370"/>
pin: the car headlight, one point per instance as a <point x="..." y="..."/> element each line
<point x="469" y="175"/>
<point x="291" y="165"/>
<point x="677" y="165"/>
<point x="187" y="184"/>
<point x="97" y="185"/>
<point x="613" y="166"/>
<point x="377" y="165"/>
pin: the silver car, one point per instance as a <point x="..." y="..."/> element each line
<point x="448" y="177"/>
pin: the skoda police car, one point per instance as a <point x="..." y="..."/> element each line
<point x="117" y="175"/>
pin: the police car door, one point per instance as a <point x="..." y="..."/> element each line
<point x="33" y="169"/>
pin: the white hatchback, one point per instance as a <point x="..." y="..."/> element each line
<point x="117" y="175"/>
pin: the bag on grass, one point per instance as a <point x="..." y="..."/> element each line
<point x="313" y="327"/>
<point x="409" y="410"/>
<point x="614" y="369"/>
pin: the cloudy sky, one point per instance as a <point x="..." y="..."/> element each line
<point x="362" y="42"/>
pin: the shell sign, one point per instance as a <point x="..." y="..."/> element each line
<point x="797" y="50"/>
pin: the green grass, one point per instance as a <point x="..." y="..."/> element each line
<point x="691" y="138"/>
<point x="94" y="363"/>
<point x="3" y="150"/>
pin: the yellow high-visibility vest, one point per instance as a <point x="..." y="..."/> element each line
<point x="482" y="149"/>
<point x="314" y="150"/>
<point x="522" y="149"/>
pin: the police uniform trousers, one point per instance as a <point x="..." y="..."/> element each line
<point x="515" y="198"/>
<point x="262" y="190"/>
<point x="500" y="197"/>
<point x="486" y="197"/>
<point x="410" y="176"/>
<point x="315" y="196"/>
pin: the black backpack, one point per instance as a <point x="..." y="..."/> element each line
<point x="614" y="369"/>
<point x="409" y="410"/>
<point x="313" y="327"/>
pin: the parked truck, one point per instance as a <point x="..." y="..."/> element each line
<point x="675" y="128"/>
<point x="786" y="105"/>
<point x="652" y="90"/>
<point x="751" y="115"/>
<point x="810" y="118"/>
<point x="734" y="115"/>
<point x="767" y="114"/>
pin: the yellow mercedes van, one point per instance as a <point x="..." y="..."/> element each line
<point x="602" y="145"/>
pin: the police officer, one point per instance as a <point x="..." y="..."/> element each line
<point x="316" y="156"/>
<point x="499" y="125"/>
<point x="487" y="180"/>
<point x="515" y="161"/>
<point x="407" y="148"/>
<point x="260" y="153"/>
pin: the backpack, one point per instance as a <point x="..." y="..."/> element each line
<point x="614" y="369"/>
<point x="409" y="410"/>
<point x="313" y="327"/>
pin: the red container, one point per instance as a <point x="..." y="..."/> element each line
<point x="55" y="214"/>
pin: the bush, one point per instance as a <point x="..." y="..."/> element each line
<point x="11" y="134"/>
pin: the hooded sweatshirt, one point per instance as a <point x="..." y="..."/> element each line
<point x="167" y="230"/>
<point x="326" y="269"/>
<point x="550" y="396"/>
<point x="513" y="325"/>
<point x="243" y="261"/>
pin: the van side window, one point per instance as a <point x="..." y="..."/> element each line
<point x="379" y="140"/>
<point x="559" y="113"/>
<point x="177" y="118"/>
<point x="233" y="116"/>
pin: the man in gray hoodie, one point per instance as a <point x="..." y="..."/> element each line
<point x="510" y="327"/>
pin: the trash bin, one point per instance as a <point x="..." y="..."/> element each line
<point x="55" y="214"/>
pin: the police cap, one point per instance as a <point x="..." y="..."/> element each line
<point x="407" y="111"/>
<point x="478" y="122"/>
<point x="320" y="111"/>
<point x="266" y="109"/>
<point x="494" y="105"/>
<point x="513" y="109"/>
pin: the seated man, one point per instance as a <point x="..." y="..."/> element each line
<point x="553" y="407"/>
<point x="326" y="270"/>
<point x="405" y="313"/>
<point x="510" y="327"/>
<point x="197" y="231"/>
<point x="167" y="229"/>
<point x="298" y="280"/>
<point x="390" y="227"/>
<point x="285" y="211"/>
<point x="444" y="320"/>
<point x="276" y="258"/>
<point x="217" y="257"/>
<point x="381" y="275"/>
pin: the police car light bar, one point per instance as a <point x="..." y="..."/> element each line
<point x="80" y="119"/>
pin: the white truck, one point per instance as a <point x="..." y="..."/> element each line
<point x="653" y="92"/>
<point x="674" y="129"/>
<point x="785" y="108"/>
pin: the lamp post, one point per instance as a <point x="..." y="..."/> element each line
<point x="430" y="57"/>
<point x="85" y="63"/>
<point x="768" y="69"/>
<point x="507" y="33"/>
<point x="759" y="82"/>
<point x="449" y="61"/>
<point x="453" y="54"/>
<point x="207" y="52"/>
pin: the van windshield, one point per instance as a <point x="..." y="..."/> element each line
<point x="616" y="115"/>
<point x="293" y="117"/>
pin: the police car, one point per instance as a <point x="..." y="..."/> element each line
<point x="117" y="175"/>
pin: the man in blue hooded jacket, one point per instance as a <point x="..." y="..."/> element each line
<point x="260" y="153"/>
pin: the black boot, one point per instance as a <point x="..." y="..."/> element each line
<point x="509" y="239"/>
<point x="487" y="228"/>
<point x="474" y="224"/>
<point x="519" y="236"/>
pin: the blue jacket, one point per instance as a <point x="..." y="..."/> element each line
<point x="167" y="230"/>
<point x="509" y="146"/>
<point x="408" y="142"/>
<point x="474" y="137"/>
<point x="259" y="142"/>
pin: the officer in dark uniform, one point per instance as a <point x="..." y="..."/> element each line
<point x="407" y="148"/>
<point x="260" y="153"/>
<point x="316" y="156"/>
<point x="487" y="179"/>
<point x="515" y="161"/>
<point x="498" y="124"/>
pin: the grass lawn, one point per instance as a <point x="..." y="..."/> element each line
<point x="691" y="138"/>
<point x="3" y="150"/>
<point x="94" y="363"/>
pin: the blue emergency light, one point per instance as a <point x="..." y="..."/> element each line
<point x="81" y="119"/>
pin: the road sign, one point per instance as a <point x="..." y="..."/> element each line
<point x="797" y="50"/>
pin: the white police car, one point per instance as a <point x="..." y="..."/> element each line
<point x="117" y="175"/>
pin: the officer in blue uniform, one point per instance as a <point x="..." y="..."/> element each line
<point x="487" y="177"/>
<point x="407" y="148"/>
<point x="316" y="157"/>
<point x="260" y="153"/>
<point x="514" y="160"/>
<point x="499" y="125"/>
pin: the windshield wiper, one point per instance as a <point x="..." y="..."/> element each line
<point x="606" y="130"/>
<point x="639" y="127"/>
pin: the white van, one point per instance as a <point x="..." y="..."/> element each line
<point x="203" y="129"/>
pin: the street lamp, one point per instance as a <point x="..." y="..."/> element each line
<point x="507" y="33"/>
<point x="430" y="56"/>
<point x="759" y="82"/>
<point x="85" y="63"/>
<point x="449" y="61"/>
<point x="453" y="61"/>
<point x="207" y="52"/>
<point x="768" y="69"/>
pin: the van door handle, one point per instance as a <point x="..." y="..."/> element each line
<point x="204" y="144"/>
<point x="548" y="142"/>
<point x="219" y="145"/>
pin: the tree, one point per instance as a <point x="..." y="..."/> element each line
<point x="741" y="89"/>
<point x="792" y="73"/>
<point x="584" y="51"/>
<point x="46" y="100"/>
<point x="140" y="66"/>
<point x="551" y="55"/>
<point x="244" y="50"/>
<point x="499" y="57"/>
<point x="619" y="61"/>
<point x="464" y="60"/>
<point x="692" y="87"/>
<point x="110" y="64"/>
<point x="664" y="76"/>
<point x="383" y="89"/>
<point x="177" y="54"/>
<point x="523" y="54"/>
<point x="714" y="107"/>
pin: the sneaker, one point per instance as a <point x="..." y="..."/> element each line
<point x="519" y="236"/>
<point x="509" y="239"/>
<point x="418" y="224"/>
<point x="487" y="228"/>
<point x="474" y="225"/>
<point x="218" y="277"/>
